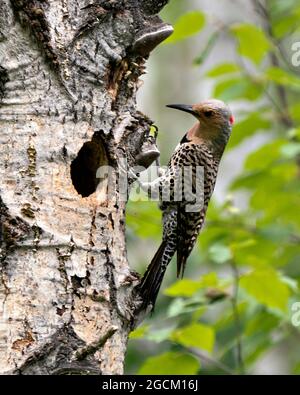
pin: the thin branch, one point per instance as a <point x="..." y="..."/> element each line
<point x="264" y="12"/>
<point x="260" y="9"/>
<point x="234" y="301"/>
<point x="282" y="107"/>
<point x="286" y="120"/>
<point x="279" y="109"/>
<point x="91" y="348"/>
<point x="204" y="357"/>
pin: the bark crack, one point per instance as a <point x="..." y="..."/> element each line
<point x="3" y="80"/>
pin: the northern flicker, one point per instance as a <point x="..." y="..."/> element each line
<point x="201" y="148"/>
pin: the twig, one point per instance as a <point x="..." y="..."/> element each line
<point x="93" y="347"/>
<point x="282" y="114"/>
<point x="286" y="120"/>
<point x="282" y="107"/>
<point x="198" y="353"/>
<point x="260" y="8"/>
<point x="234" y="301"/>
<point x="264" y="12"/>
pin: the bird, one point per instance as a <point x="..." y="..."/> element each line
<point x="201" y="148"/>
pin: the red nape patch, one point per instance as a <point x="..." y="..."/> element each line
<point x="232" y="120"/>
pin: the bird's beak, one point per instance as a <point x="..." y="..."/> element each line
<point x="182" y="107"/>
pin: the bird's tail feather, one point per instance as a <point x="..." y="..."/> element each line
<point x="152" y="279"/>
<point x="181" y="263"/>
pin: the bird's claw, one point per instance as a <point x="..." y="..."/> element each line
<point x="161" y="172"/>
<point x="132" y="175"/>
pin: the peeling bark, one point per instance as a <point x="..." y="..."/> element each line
<point x="69" y="72"/>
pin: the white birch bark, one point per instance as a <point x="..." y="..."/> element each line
<point x="69" y="71"/>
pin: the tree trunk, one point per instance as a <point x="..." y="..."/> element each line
<point x="69" y="71"/>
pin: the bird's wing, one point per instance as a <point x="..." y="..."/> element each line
<point x="196" y="194"/>
<point x="187" y="235"/>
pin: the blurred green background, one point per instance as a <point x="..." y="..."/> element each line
<point x="237" y="309"/>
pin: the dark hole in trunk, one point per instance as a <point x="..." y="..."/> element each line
<point x="84" y="167"/>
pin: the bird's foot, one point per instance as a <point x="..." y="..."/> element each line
<point x="161" y="171"/>
<point x="133" y="176"/>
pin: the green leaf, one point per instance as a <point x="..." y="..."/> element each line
<point x="290" y="282"/>
<point x="275" y="232"/>
<point x="248" y="180"/>
<point x="183" y="287"/>
<point x="296" y="369"/>
<point x="247" y="127"/>
<point x="184" y="306"/>
<point x="280" y="8"/>
<point x="286" y="25"/>
<point x="295" y="111"/>
<point x="176" y="308"/>
<point x="160" y="335"/>
<point x="170" y="363"/>
<point x="212" y="234"/>
<point x="267" y="287"/>
<point x="186" y="26"/>
<point x="207" y="49"/>
<point x="242" y="244"/>
<point x="265" y="156"/>
<point x="143" y="219"/>
<point x="195" y="335"/>
<point x="209" y="280"/>
<point x="294" y="133"/>
<point x="223" y="68"/>
<point x="276" y="203"/>
<point x="237" y="88"/>
<point x="253" y="43"/>
<point x="187" y="287"/>
<point x="219" y="253"/>
<point x="282" y="77"/>
<point x="262" y="321"/>
<point x="290" y="150"/>
<point x="139" y="332"/>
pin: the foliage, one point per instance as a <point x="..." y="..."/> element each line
<point x="238" y="308"/>
<point x="170" y="363"/>
<point x="187" y="25"/>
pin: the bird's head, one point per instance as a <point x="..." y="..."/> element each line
<point x="210" y="113"/>
<point x="214" y="121"/>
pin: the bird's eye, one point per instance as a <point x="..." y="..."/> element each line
<point x="208" y="113"/>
